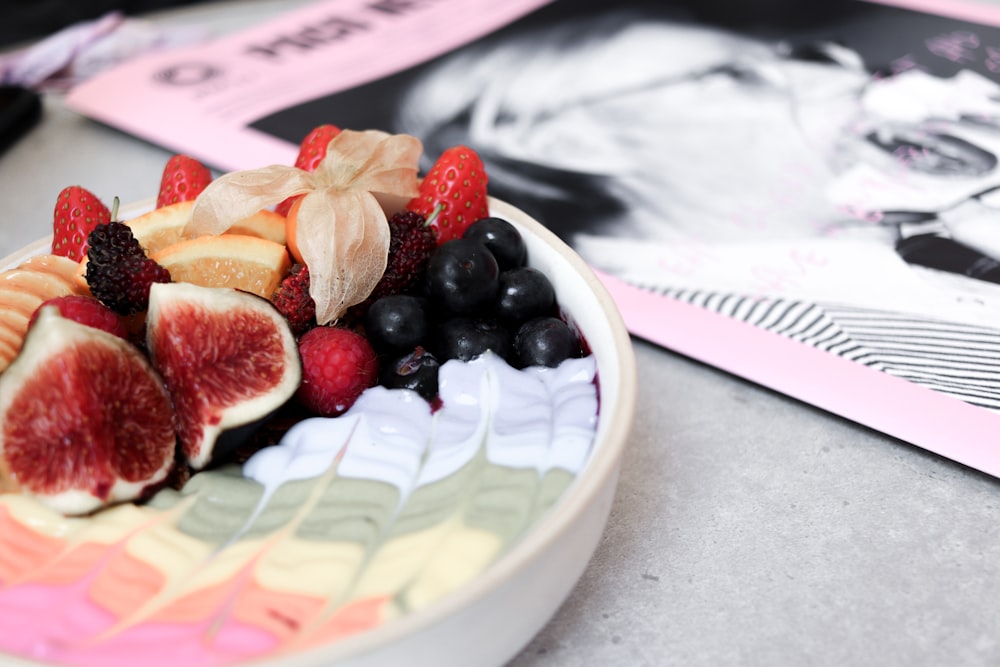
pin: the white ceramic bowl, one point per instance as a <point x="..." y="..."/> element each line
<point x="488" y="619"/>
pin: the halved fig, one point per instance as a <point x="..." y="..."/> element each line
<point x="228" y="359"/>
<point x="85" y="420"/>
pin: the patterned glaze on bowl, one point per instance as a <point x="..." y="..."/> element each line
<point x="445" y="539"/>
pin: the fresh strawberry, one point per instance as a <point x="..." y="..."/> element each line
<point x="453" y="194"/>
<point x="183" y="180"/>
<point x="337" y="365"/>
<point x="312" y="150"/>
<point x="78" y="211"/>
<point x="85" y="310"/>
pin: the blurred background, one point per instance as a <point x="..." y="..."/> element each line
<point x="27" y="20"/>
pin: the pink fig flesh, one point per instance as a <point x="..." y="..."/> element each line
<point x="227" y="357"/>
<point x="84" y="419"/>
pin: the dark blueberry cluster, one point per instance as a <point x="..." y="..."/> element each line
<point x="118" y="271"/>
<point x="477" y="294"/>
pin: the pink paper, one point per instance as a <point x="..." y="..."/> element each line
<point x="321" y="49"/>
<point x="977" y="12"/>
<point x="938" y="423"/>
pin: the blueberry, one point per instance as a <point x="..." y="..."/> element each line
<point x="416" y="370"/>
<point x="396" y="322"/>
<point x="466" y="338"/>
<point x="544" y="341"/>
<point x="463" y="276"/>
<point x="524" y="293"/>
<point x="502" y="239"/>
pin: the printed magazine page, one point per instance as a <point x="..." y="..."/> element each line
<point x="810" y="201"/>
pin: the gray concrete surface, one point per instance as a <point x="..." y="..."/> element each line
<point x="748" y="529"/>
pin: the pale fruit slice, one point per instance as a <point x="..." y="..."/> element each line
<point x="228" y="359"/>
<point x="246" y="263"/>
<point x="85" y="421"/>
<point x="161" y="227"/>
<point x="23" y="289"/>
<point x="164" y="226"/>
<point x="264" y="224"/>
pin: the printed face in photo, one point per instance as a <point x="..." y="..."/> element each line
<point x="671" y="131"/>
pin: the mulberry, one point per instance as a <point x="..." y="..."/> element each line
<point x="293" y="301"/>
<point x="118" y="271"/>
<point x="411" y="242"/>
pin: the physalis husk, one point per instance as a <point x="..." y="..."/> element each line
<point x="341" y="231"/>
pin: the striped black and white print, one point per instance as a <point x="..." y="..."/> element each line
<point x="960" y="360"/>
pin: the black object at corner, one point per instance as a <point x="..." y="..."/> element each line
<point x="20" y="110"/>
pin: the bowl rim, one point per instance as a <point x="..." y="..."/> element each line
<point x="601" y="469"/>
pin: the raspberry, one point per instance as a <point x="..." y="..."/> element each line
<point x="337" y="365"/>
<point x="86" y="310"/>
<point x="293" y="301"/>
<point x="411" y="242"/>
<point x="118" y="272"/>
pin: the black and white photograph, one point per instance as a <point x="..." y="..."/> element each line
<point x="827" y="174"/>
